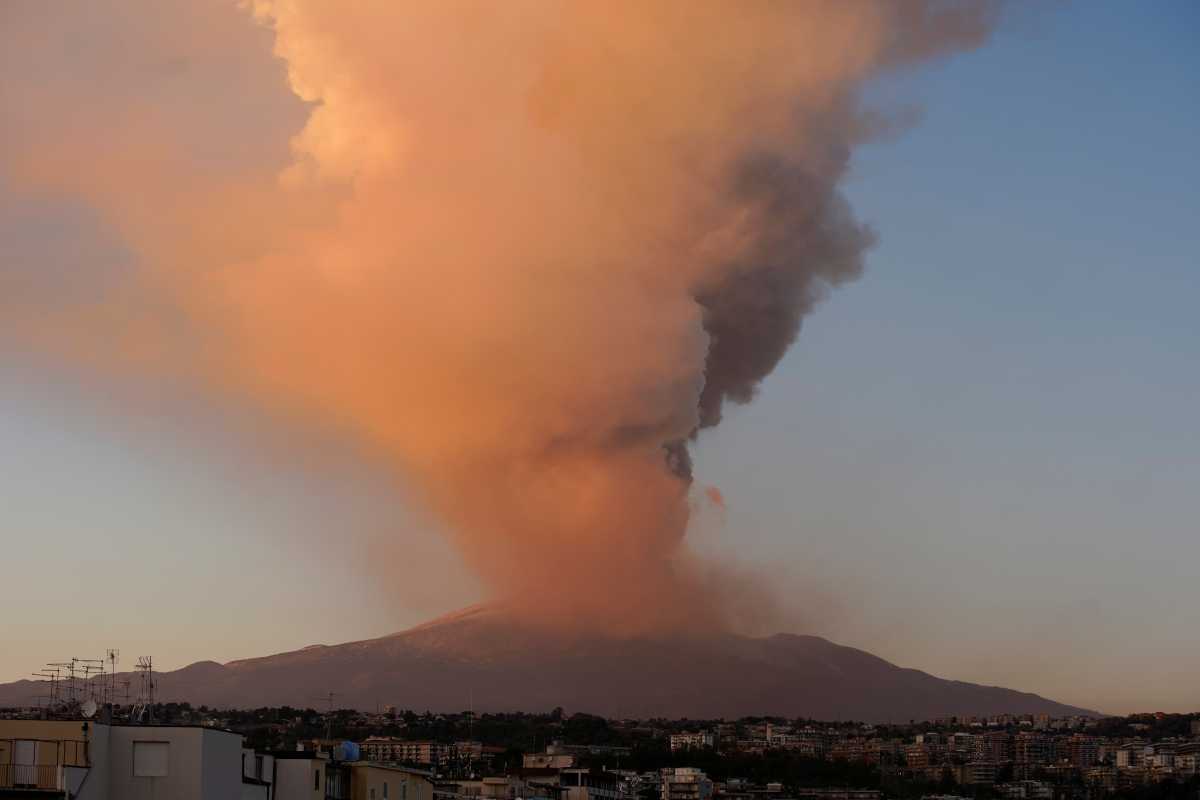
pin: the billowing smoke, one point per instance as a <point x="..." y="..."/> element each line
<point x="526" y="250"/>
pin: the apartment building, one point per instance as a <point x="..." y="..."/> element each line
<point x="498" y="787"/>
<point x="838" y="794"/>
<point x="1026" y="790"/>
<point x="385" y="782"/>
<point x="685" y="783"/>
<point x="587" y="784"/>
<point x="403" y="751"/>
<point x="87" y="760"/>
<point x="387" y="749"/>
<point x="1083" y="751"/>
<point x="698" y="740"/>
<point x="258" y="775"/>
<point x="916" y="756"/>
<point x="995" y="747"/>
<point x="311" y="775"/>
<point x="1033" y="748"/>
<point x="976" y="773"/>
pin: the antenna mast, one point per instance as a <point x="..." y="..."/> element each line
<point x="328" y="698"/>
<point x="145" y="701"/>
<point x="113" y="657"/>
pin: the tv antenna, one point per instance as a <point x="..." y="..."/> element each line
<point x="145" y="701"/>
<point x="67" y="688"/>
<point x="91" y="675"/>
<point x="113" y="657"/>
<point x="53" y="675"/>
<point x="328" y="698"/>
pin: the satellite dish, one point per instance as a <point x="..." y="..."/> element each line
<point x="89" y="709"/>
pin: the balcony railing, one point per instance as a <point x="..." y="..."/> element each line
<point x="31" y="776"/>
<point x="54" y="758"/>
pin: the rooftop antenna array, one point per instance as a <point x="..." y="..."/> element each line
<point x="71" y="685"/>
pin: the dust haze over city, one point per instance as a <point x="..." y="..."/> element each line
<point x="657" y="334"/>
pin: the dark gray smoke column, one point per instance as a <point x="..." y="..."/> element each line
<point x="809" y="242"/>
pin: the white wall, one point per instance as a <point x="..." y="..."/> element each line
<point x="294" y="779"/>
<point x="202" y="764"/>
<point x="92" y="784"/>
<point x="249" y="762"/>
<point x="222" y="773"/>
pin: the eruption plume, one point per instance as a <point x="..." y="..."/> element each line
<point x="528" y="250"/>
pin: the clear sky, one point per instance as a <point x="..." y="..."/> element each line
<point x="980" y="459"/>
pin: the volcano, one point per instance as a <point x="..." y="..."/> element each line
<point x="484" y="658"/>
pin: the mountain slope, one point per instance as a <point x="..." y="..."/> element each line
<point x="480" y="656"/>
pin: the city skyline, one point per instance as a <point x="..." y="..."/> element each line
<point x="977" y="460"/>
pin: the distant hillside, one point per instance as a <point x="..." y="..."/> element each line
<point x="482" y="656"/>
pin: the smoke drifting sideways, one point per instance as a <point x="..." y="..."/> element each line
<point x="526" y="250"/>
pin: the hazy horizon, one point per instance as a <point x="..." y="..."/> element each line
<point x="978" y="458"/>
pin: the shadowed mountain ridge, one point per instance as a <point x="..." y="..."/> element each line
<point x="482" y="656"/>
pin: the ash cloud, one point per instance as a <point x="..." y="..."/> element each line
<point x="526" y="251"/>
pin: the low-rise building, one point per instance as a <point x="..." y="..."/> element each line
<point x="88" y="760"/>
<point x="310" y="775"/>
<point x="1083" y="750"/>
<point x="838" y="793"/>
<point x="1187" y="760"/>
<point x="387" y="749"/>
<point x="258" y="775"/>
<point x="917" y="756"/>
<point x="697" y="740"/>
<point x="1026" y="790"/>
<point x="976" y="773"/>
<point x="685" y="783"/>
<point x="589" y="784"/>
<point x="387" y="782"/>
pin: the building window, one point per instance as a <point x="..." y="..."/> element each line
<point x="317" y="780"/>
<point x="150" y="759"/>
<point x="385" y="792"/>
<point x="24" y="759"/>
<point x="372" y="793"/>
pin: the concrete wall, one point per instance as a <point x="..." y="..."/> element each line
<point x="185" y="755"/>
<point x="92" y="783"/>
<point x="250" y="760"/>
<point x="294" y="779"/>
<point x="222" y="773"/>
<point x="202" y="764"/>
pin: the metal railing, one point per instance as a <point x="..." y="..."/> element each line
<point x="31" y="776"/>
<point x="50" y="759"/>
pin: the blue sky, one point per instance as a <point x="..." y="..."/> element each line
<point x="980" y="459"/>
